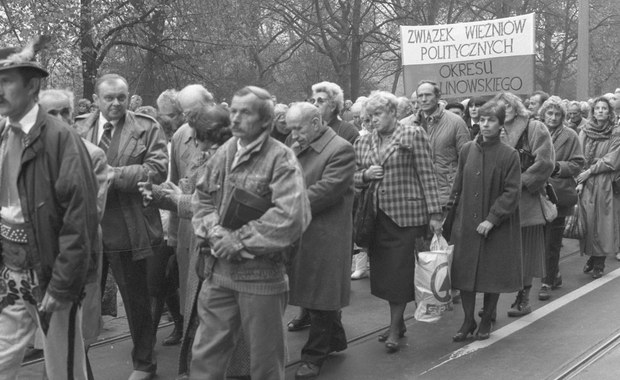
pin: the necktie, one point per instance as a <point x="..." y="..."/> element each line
<point x="106" y="138"/>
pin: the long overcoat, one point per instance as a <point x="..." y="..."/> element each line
<point x="536" y="176"/>
<point x="599" y="203"/>
<point x="320" y="274"/>
<point x="488" y="184"/>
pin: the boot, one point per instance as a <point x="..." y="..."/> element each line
<point x="361" y="266"/>
<point x="521" y="306"/>
<point x="598" y="266"/>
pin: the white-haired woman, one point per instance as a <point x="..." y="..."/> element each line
<point x="523" y="133"/>
<point x="398" y="158"/>
<point x="329" y="98"/>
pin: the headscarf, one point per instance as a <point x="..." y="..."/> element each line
<point x="595" y="133"/>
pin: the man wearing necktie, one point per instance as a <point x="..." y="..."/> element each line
<point x="135" y="147"/>
<point x="48" y="225"/>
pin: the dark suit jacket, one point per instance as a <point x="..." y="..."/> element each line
<point x="141" y="149"/>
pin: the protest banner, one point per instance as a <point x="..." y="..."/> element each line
<point x="473" y="58"/>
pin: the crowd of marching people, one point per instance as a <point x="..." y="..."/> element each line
<point x="225" y="214"/>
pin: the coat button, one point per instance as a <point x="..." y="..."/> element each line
<point x="475" y="215"/>
<point x="476" y="195"/>
<point x="478" y="172"/>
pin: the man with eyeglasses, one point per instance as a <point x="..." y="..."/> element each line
<point x="135" y="147"/>
<point x="329" y="99"/>
<point x="246" y="285"/>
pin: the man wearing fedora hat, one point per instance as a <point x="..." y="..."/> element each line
<point x="48" y="224"/>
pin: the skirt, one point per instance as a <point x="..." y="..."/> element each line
<point x="392" y="260"/>
<point x="533" y="251"/>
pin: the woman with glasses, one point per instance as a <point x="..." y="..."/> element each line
<point x="329" y="98"/>
<point x="597" y="185"/>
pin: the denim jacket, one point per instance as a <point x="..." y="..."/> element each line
<point x="268" y="169"/>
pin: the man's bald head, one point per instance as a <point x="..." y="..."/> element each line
<point x="58" y="103"/>
<point x="305" y="123"/>
<point x="194" y="95"/>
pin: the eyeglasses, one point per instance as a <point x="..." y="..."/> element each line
<point x="318" y="100"/>
<point x="62" y="111"/>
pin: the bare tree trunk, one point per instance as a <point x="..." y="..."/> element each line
<point x="88" y="51"/>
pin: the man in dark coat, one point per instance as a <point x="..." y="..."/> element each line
<point x="135" y="147"/>
<point x="320" y="279"/>
<point x="48" y="215"/>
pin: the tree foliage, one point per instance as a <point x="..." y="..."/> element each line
<point x="284" y="45"/>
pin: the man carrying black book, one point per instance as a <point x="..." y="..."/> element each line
<point x="246" y="284"/>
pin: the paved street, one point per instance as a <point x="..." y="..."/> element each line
<point x="580" y="318"/>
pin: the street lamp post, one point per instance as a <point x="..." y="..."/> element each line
<point x="583" y="51"/>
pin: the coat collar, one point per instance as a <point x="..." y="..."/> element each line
<point x="319" y="144"/>
<point x="512" y="131"/>
<point x="245" y="156"/>
<point x="89" y="126"/>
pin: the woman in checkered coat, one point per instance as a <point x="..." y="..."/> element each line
<point x="398" y="158"/>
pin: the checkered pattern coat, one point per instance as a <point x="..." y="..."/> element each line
<point x="408" y="193"/>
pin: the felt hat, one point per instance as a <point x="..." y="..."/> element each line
<point x="14" y="57"/>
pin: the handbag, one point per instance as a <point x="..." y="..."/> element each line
<point x="365" y="216"/>
<point x="550" y="211"/>
<point x="575" y="227"/>
<point x="551" y="194"/>
<point x="523" y="147"/>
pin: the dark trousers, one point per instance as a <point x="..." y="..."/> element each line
<point x="553" y="244"/>
<point x="131" y="278"/>
<point x="326" y="335"/>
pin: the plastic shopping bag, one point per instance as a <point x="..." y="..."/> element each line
<point x="432" y="281"/>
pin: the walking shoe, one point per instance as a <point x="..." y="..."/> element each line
<point x="521" y="306"/>
<point x="141" y="375"/>
<point x="558" y="282"/>
<point x="543" y="293"/>
<point x="307" y="370"/>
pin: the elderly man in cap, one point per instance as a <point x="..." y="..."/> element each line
<point x="48" y="220"/>
<point x="135" y="147"/>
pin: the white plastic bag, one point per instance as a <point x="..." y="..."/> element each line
<point x="432" y="281"/>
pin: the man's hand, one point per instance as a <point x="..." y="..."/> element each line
<point x="484" y="228"/>
<point x="579" y="188"/>
<point x="227" y="246"/>
<point x="436" y="223"/>
<point x="51" y="304"/>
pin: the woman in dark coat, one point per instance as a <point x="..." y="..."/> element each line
<point x="568" y="164"/>
<point x="472" y="116"/>
<point x="397" y="158"/>
<point x="486" y="231"/>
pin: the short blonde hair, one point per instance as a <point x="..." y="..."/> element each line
<point x="381" y="99"/>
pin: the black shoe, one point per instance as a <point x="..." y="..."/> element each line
<point x="597" y="273"/>
<point x="307" y="370"/>
<point x="299" y="323"/>
<point x="589" y="265"/>
<point x="384" y="335"/>
<point x="557" y="283"/>
<point x="462" y="334"/>
<point x="391" y="347"/>
<point x="176" y="336"/>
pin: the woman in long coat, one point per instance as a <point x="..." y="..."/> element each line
<point x="517" y="126"/>
<point x="600" y="201"/>
<point x="398" y="158"/>
<point x="568" y="164"/>
<point x="486" y="231"/>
